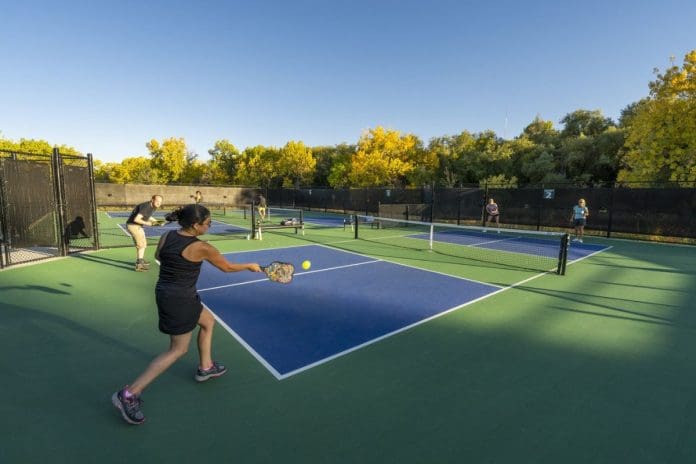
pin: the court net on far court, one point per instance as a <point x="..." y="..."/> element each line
<point x="524" y="249"/>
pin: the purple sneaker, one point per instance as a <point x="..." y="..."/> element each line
<point x="129" y="407"/>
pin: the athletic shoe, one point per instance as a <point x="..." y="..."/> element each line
<point x="215" y="371"/>
<point x="579" y="240"/>
<point x="141" y="266"/>
<point x="129" y="407"/>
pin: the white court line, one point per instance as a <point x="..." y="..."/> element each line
<point x="591" y="254"/>
<point x="490" y="241"/>
<point x="423" y="321"/>
<point x="279" y="376"/>
<point x="248" y="347"/>
<point x="297" y="274"/>
<point x="125" y="231"/>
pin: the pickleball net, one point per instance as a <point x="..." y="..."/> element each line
<point x="523" y="249"/>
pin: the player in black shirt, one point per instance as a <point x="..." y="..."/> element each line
<point x="181" y="254"/>
<point x="140" y="217"/>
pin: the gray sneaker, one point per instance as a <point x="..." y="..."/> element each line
<point x="129" y="407"/>
<point x="215" y="371"/>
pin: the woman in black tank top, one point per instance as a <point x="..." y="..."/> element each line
<point x="179" y="306"/>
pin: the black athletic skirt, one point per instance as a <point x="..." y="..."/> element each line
<point x="178" y="310"/>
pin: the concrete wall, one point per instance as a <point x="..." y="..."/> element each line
<point x="129" y="195"/>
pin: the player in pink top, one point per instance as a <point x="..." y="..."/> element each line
<point x="493" y="213"/>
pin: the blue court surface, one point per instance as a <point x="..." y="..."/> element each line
<point x="216" y="228"/>
<point x="506" y="241"/>
<point x="315" y="218"/>
<point x="343" y="302"/>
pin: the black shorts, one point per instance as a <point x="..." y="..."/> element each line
<point x="579" y="222"/>
<point x="178" y="310"/>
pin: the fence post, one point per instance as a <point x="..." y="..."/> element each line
<point x="611" y="208"/>
<point x="540" y="207"/>
<point x="95" y="225"/>
<point x="367" y="201"/>
<point x="485" y="202"/>
<point x="432" y="202"/>
<point x="59" y="196"/>
<point x="459" y="209"/>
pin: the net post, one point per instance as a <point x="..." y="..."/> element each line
<point x="563" y="254"/>
<point x="355" y="220"/>
<point x="430" y="245"/>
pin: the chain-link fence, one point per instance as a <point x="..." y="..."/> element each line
<point x="642" y="211"/>
<point x="47" y="206"/>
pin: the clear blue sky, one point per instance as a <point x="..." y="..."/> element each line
<point x="106" y="77"/>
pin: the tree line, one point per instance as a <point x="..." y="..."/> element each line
<point x="654" y="140"/>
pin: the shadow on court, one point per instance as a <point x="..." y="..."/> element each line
<point x="591" y="300"/>
<point x="108" y="261"/>
<point x="39" y="288"/>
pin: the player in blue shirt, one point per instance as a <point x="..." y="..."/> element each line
<point x="579" y="218"/>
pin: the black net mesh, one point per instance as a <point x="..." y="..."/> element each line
<point x="29" y="209"/>
<point x="79" y="230"/>
<point x="46" y="206"/>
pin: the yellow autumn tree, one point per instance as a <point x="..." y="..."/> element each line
<point x="168" y="158"/>
<point x="296" y="164"/>
<point x="661" y="141"/>
<point x="383" y="158"/>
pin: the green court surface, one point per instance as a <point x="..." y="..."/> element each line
<point x="597" y="366"/>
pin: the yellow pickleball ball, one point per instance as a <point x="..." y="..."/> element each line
<point x="306" y="265"/>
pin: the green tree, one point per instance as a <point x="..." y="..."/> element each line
<point x="534" y="155"/>
<point x="500" y="181"/>
<point x="196" y="172"/>
<point x="224" y="162"/>
<point x="257" y="166"/>
<point x="443" y="148"/>
<point x="585" y="122"/>
<point x="661" y="133"/>
<point x="327" y="157"/>
<point x="541" y="132"/>
<point x="426" y="164"/>
<point x="469" y="158"/>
